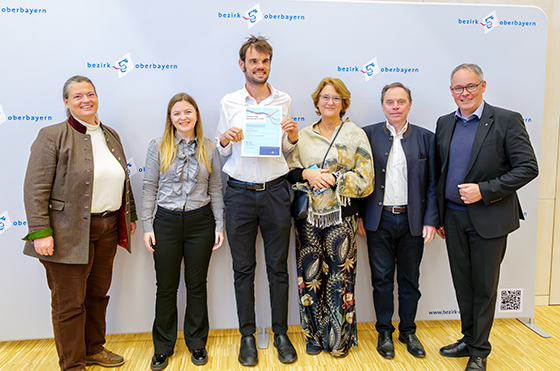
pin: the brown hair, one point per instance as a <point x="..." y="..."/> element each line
<point x="340" y="89"/>
<point x="259" y="43"/>
<point x="395" y="85"/>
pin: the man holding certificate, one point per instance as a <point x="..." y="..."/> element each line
<point x="254" y="131"/>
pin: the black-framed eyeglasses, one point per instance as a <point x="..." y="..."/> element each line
<point x="325" y="98"/>
<point x="471" y="88"/>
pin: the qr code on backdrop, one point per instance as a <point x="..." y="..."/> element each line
<point x="511" y="300"/>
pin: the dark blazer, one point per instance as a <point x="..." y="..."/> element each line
<point x="419" y="147"/>
<point x="57" y="188"/>
<point x="502" y="161"/>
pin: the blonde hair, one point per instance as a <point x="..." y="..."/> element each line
<point x="167" y="147"/>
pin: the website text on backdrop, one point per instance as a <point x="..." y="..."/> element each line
<point x="257" y="197"/>
<point x="399" y="217"/>
<point x="79" y="206"/>
<point x="184" y="181"/>
<point x="332" y="165"/>
<point x="484" y="156"/>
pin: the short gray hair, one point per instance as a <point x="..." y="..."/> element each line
<point x="471" y="67"/>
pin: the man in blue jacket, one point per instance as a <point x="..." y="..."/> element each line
<point x="400" y="216"/>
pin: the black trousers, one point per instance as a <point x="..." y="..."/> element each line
<point x="475" y="268"/>
<point x="393" y="245"/>
<point x="182" y="236"/>
<point x="246" y="211"/>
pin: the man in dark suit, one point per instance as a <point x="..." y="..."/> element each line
<point x="484" y="156"/>
<point x="400" y="216"/>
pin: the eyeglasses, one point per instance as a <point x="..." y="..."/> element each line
<point x="471" y="88"/>
<point x="325" y="98"/>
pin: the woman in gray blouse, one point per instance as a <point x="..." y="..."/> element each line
<point x="183" y="179"/>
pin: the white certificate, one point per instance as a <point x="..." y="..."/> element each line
<point x="262" y="132"/>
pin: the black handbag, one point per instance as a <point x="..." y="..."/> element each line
<point x="300" y="203"/>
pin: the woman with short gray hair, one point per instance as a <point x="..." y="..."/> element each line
<point x="79" y="206"/>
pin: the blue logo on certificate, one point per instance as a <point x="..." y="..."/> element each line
<point x="262" y="132"/>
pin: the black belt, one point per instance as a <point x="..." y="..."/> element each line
<point x="395" y="209"/>
<point x="105" y="214"/>
<point x="232" y="182"/>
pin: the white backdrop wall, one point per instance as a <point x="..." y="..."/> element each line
<point x="192" y="46"/>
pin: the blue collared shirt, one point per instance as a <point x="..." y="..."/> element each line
<point x="477" y="113"/>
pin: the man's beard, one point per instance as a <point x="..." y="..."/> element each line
<point x="252" y="79"/>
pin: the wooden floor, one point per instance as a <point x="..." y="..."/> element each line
<point x="515" y="347"/>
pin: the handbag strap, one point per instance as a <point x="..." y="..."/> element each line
<point x="330" y="145"/>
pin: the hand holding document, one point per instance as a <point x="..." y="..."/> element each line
<point x="262" y="132"/>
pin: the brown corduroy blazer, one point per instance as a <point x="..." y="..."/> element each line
<point x="58" y="187"/>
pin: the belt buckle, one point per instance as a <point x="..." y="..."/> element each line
<point x="393" y="208"/>
<point x="262" y="186"/>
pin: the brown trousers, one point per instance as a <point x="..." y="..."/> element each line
<point x="79" y="296"/>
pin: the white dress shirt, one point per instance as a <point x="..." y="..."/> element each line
<point x="232" y="113"/>
<point x="396" y="180"/>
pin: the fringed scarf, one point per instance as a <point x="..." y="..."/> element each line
<point x="349" y="160"/>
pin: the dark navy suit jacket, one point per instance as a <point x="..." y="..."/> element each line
<point x="502" y="161"/>
<point x="420" y="150"/>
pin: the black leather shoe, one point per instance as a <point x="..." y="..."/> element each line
<point x="199" y="357"/>
<point x="385" y="345"/>
<point x="286" y="351"/>
<point x="159" y="361"/>
<point x="413" y="345"/>
<point x="455" y="350"/>
<point x="476" y="363"/>
<point x="313" y="349"/>
<point x="248" y="351"/>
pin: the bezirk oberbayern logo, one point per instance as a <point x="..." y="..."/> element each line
<point x="2" y="115"/>
<point x="370" y="69"/>
<point x="254" y="15"/>
<point x="125" y="64"/>
<point x="491" y="21"/>
<point x="5" y="222"/>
